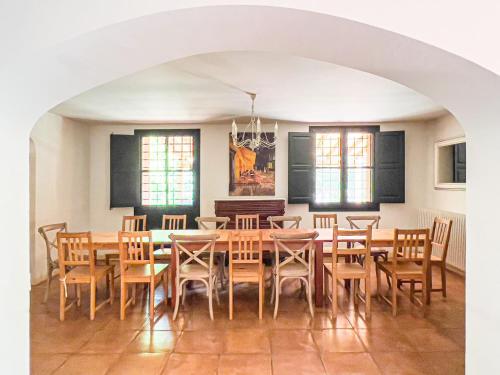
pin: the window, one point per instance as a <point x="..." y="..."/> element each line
<point x="344" y="168"/>
<point x="167" y="175"/>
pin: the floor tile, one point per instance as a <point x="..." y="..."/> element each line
<point x="200" y="342"/>
<point x="303" y="364"/>
<point x="247" y="341"/>
<point x="292" y="341"/>
<point x="401" y="363"/>
<point x="245" y="364"/>
<point x="45" y="364"/>
<point x="191" y="364"/>
<point x="153" y="342"/>
<point x="385" y="340"/>
<point x="338" y="340"/>
<point x="138" y="364"/>
<point x="87" y="364"/>
<point x="431" y="340"/>
<point x="109" y="341"/>
<point x="350" y="364"/>
<point x="445" y="363"/>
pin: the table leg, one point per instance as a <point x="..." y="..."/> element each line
<point x="318" y="274"/>
<point x="173" y="271"/>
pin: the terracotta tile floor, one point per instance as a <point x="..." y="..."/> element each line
<point x="292" y="344"/>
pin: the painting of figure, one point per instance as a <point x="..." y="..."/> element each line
<point x="251" y="173"/>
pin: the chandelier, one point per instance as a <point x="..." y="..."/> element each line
<point x="252" y="136"/>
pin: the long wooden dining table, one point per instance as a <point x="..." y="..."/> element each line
<point x="380" y="238"/>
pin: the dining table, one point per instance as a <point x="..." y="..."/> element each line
<point x="381" y="238"/>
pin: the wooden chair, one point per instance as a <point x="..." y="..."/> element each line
<point x="217" y="223"/>
<point x="245" y="263"/>
<point x="49" y="235"/>
<point x="247" y="222"/>
<point x="361" y="222"/>
<point x="325" y="221"/>
<point x="77" y="266"/>
<point x="286" y="222"/>
<point x="293" y="260"/>
<point x="129" y="224"/>
<point x="169" y="222"/>
<point x="410" y="261"/>
<point x="350" y="271"/>
<point x="137" y="266"/>
<point x="440" y="239"/>
<point x="192" y="265"/>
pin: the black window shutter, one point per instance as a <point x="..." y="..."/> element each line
<point x="459" y="163"/>
<point x="300" y="167"/>
<point x="125" y="168"/>
<point x="390" y="167"/>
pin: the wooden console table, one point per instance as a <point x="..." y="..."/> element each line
<point x="263" y="207"/>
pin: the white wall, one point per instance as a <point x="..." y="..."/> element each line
<point x="440" y="129"/>
<point x="215" y="172"/>
<point x="61" y="182"/>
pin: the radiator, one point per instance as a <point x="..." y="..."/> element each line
<point x="456" y="248"/>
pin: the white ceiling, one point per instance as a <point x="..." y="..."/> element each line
<point x="212" y="87"/>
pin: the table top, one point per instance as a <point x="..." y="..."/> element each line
<point x="379" y="236"/>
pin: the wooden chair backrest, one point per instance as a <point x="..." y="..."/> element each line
<point x="134" y="223"/>
<point x="296" y="247"/>
<point x="245" y="247"/>
<point x="358" y="241"/>
<point x="174" y="222"/>
<point x="49" y="235"/>
<point x="324" y="220"/>
<point x="247" y="221"/>
<point x="199" y="245"/>
<point x="278" y="222"/>
<point x="75" y="249"/>
<point x="136" y="249"/>
<point x="440" y="237"/>
<point x="411" y="245"/>
<point x="362" y="221"/>
<point x="206" y="222"/>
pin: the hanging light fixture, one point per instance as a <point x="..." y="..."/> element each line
<point x="257" y="138"/>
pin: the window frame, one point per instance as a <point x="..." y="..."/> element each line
<point x="343" y="205"/>
<point x="195" y="133"/>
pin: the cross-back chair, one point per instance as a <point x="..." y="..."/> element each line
<point x="410" y="262"/>
<point x="77" y="266"/>
<point x="49" y="235"/>
<point x="350" y="271"/>
<point x="362" y="222"/>
<point x="130" y="223"/>
<point x="137" y="266"/>
<point x="245" y="263"/>
<point x="285" y="222"/>
<point x="246" y="222"/>
<point x="217" y="223"/>
<point x="191" y="253"/>
<point x="293" y="260"/>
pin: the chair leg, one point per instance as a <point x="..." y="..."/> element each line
<point x="412" y="290"/>
<point x="354" y="291"/>
<point x="368" y="298"/>
<point x="230" y="300"/>
<point x="49" y="280"/>
<point x="184" y="289"/>
<point x="276" y="295"/>
<point x="62" y="301"/>
<point x="134" y="293"/>
<point x="112" y="286"/>
<point x="123" y="299"/>
<point x="151" y="301"/>
<point x="394" y="300"/>
<point x="309" y="297"/>
<point x="164" y="278"/>
<point x="216" y="292"/>
<point x="443" y="278"/>
<point x="92" y="298"/>
<point x="177" y="299"/>
<point x="335" y="306"/>
<point x="272" y="287"/>
<point x="379" y="283"/>
<point x="78" y="295"/>
<point x="261" y="296"/>
<point x="210" y="295"/>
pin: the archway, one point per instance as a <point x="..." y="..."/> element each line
<point x="469" y="91"/>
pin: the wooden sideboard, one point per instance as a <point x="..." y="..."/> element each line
<point x="263" y="207"/>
